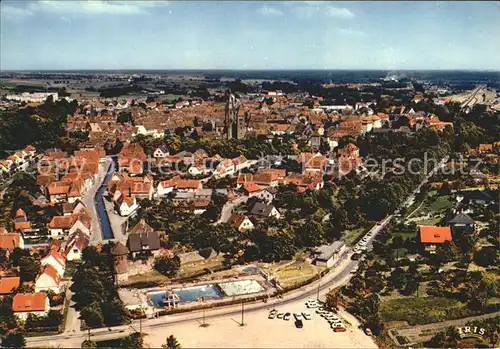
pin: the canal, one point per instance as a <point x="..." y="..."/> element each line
<point x="107" y="232"/>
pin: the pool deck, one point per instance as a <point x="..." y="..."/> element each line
<point x="134" y="298"/>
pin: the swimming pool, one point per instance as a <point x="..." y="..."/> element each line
<point x="188" y="294"/>
<point x="236" y="288"/>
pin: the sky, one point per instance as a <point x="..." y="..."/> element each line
<point x="65" y="35"/>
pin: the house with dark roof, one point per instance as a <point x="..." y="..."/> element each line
<point x="479" y="197"/>
<point x="461" y="223"/>
<point x="260" y="210"/>
<point x="75" y="245"/>
<point x="144" y="243"/>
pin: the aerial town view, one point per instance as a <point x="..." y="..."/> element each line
<point x="245" y="174"/>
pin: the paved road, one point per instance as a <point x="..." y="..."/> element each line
<point x="337" y="277"/>
<point x="227" y="210"/>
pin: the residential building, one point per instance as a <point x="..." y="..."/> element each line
<point x="264" y="211"/>
<point x="36" y="304"/>
<point x="240" y="222"/>
<point x="75" y="245"/>
<point x="144" y="242"/>
<point x="48" y="280"/>
<point x="9" y="241"/>
<point x="56" y="260"/>
<point x="328" y="255"/>
<point x="461" y="223"/>
<point x="431" y="236"/>
<point x="8" y="284"/>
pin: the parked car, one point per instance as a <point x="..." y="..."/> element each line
<point x="307" y="316"/>
<point x="297" y="316"/>
<point x="356" y="256"/>
<point x="340" y="329"/>
<point x="287" y="316"/>
<point x="299" y="324"/>
<point x="368" y="332"/>
<point x="280" y="315"/>
<point x="271" y="315"/>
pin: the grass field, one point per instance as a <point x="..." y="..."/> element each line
<point x="351" y="236"/>
<point x="421" y="310"/>
<point x="435" y="205"/>
<point x="430" y="221"/>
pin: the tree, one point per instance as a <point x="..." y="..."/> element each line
<point x="92" y="315"/>
<point x="29" y="268"/>
<point x="332" y="299"/>
<point x="168" y="266"/>
<point x="14" y="340"/>
<point x="91" y="256"/>
<point x="310" y="234"/>
<point x="114" y="312"/>
<point x="486" y="256"/>
<point x="445" y="339"/>
<point x="171" y="343"/>
<point x="89" y="344"/>
<point x="135" y="340"/>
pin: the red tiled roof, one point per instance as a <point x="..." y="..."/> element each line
<point x="23" y="302"/>
<point x="9" y="284"/>
<point x="251" y="187"/>
<point x="434" y="235"/>
<point x="10" y="241"/>
<point x="22" y="225"/>
<point x="57" y="256"/>
<point x="52" y="273"/>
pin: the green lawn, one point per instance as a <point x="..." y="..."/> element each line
<point x="352" y="236"/>
<point x="435" y="205"/>
<point x="430" y="221"/>
<point x="421" y="310"/>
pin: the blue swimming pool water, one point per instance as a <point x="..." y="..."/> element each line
<point x="188" y="294"/>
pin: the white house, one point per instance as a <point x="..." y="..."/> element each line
<point x="127" y="205"/>
<point x="240" y="222"/>
<point x="56" y="260"/>
<point x="76" y="243"/>
<point x="263" y="210"/>
<point x="225" y="168"/>
<point x="161" y="152"/>
<point x="165" y="188"/>
<point x="198" y="169"/>
<point x="24" y="304"/>
<point x="328" y="255"/>
<point x="48" y="280"/>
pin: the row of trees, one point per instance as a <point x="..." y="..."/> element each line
<point x="95" y="293"/>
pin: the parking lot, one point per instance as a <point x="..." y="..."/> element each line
<point x="259" y="331"/>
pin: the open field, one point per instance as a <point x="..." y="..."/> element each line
<point x="421" y="310"/>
